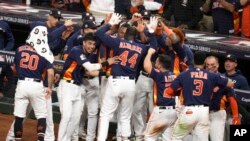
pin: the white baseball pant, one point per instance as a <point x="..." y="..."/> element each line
<point x="49" y="133"/>
<point x="217" y="125"/>
<point x="160" y="122"/>
<point x="143" y="96"/>
<point x="69" y="98"/>
<point x="92" y="102"/>
<point x="120" y="92"/>
<point x="193" y="119"/>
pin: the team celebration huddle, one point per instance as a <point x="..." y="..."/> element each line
<point x="137" y="72"/>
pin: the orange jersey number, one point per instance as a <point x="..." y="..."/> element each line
<point x="29" y="61"/>
<point x="198" y="87"/>
<point x="131" y="60"/>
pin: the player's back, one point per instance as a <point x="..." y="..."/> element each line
<point x="198" y="84"/>
<point x="29" y="63"/>
<point x="131" y="54"/>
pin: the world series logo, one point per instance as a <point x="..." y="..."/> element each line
<point x="239" y="132"/>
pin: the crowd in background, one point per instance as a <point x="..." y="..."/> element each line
<point x="227" y="17"/>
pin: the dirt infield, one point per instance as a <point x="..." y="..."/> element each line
<point x="29" y="130"/>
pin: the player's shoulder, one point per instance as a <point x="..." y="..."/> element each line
<point x="77" y="49"/>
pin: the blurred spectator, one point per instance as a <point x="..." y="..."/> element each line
<point x="222" y="13"/>
<point x="186" y="13"/>
<point x="154" y="6"/>
<point x="7" y="44"/>
<point x="6" y="37"/>
<point x="234" y="74"/>
<point x="245" y="22"/>
<point x="74" y="5"/>
<point x="206" y="23"/>
<point x="123" y="7"/>
<point x="58" y="4"/>
<point x="99" y="9"/>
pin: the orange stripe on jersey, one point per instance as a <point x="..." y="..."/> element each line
<point x="234" y="106"/>
<point x="68" y="72"/>
<point x="176" y="65"/>
<point x="155" y="93"/>
<point x="223" y="102"/>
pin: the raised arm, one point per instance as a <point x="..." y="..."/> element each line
<point x="147" y="61"/>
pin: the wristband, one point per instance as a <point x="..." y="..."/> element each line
<point x="105" y="63"/>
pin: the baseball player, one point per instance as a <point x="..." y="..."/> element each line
<point x="55" y="29"/>
<point x="197" y="85"/>
<point x="164" y="114"/>
<point x="30" y="61"/>
<point x="121" y="84"/>
<point x="49" y="133"/>
<point x="217" y="108"/>
<point x="69" y="90"/>
<point x="7" y="42"/>
<point x="88" y="26"/>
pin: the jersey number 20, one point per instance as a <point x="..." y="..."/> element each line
<point x="29" y="61"/>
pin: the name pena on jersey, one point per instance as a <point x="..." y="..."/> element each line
<point x="130" y="47"/>
<point x="199" y="74"/>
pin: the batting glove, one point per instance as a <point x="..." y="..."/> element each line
<point x="152" y="24"/>
<point x="115" y="19"/>
<point x="236" y="121"/>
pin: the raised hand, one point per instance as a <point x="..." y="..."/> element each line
<point x="113" y="60"/>
<point x="115" y="19"/>
<point x="140" y="26"/>
<point x="152" y="24"/>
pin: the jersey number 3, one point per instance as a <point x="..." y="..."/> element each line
<point x="131" y="60"/>
<point x="198" y="87"/>
<point x="29" y="61"/>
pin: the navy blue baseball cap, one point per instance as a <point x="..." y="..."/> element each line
<point x="90" y="18"/>
<point x="89" y="24"/>
<point x="56" y="13"/>
<point x="85" y="14"/>
<point x="231" y="57"/>
<point x="145" y="14"/>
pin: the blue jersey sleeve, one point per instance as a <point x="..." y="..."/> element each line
<point x="176" y="84"/>
<point x="70" y="42"/>
<point x="57" y="33"/>
<point x="79" y="56"/>
<point x="154" y="73"/>
<point x="179" y="50"/>
<point x="221" y="80"/>
<point x="107" y="39"/>
<point x="49" y="65"/>
<point x="230" y="92"/>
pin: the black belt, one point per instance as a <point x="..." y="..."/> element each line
<point x="166" y="107"/>
<point x="29" y="79"/>
<point x="123" y="77"/>
<point x="73" y="82"/>
<point x="145" y="74"/>
<point x="88" y="77"/>
<point x="200" y="105"/>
